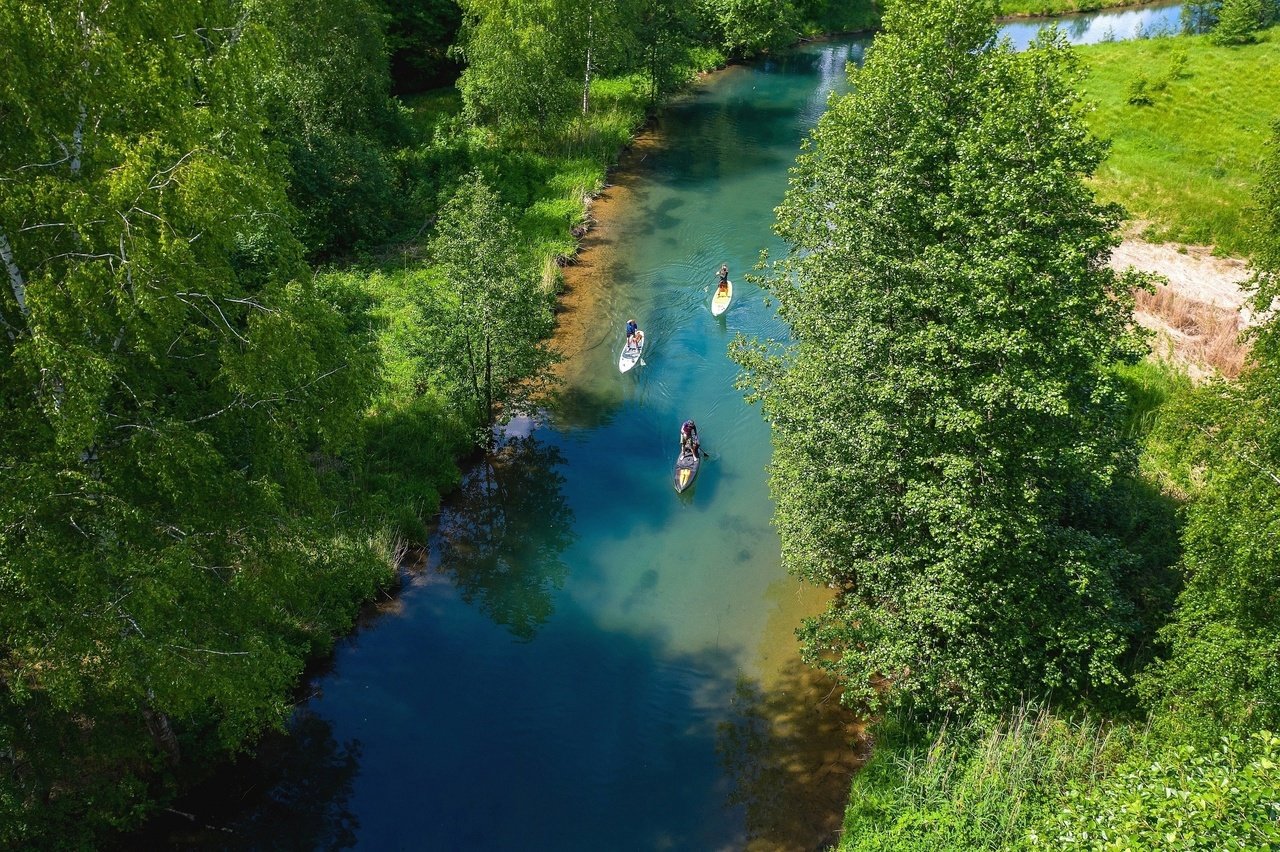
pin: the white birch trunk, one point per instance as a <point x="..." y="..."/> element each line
<point x="15" y="274"/>
<point x="586" y="82"/>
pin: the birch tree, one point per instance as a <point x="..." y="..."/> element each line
<point x="501" y="317"/>
<point x="166" y="372"/>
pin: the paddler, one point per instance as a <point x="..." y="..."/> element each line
<point x="689" y="437"/>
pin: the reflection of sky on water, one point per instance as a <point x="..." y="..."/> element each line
<point x="1115" y="25"/>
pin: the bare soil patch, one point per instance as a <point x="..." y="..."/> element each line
<point x="1198" y="316"/>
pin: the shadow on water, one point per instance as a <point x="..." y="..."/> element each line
<point x="587" y="407"/>
<point x="292" y="793"/>
<point x="644" y="781"/>
<point x="791" y="751"/>
<point x="501" y="535"/>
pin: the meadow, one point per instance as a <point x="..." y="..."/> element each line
<point x="1188" y="124"/>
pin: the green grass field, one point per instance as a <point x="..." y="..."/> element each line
<point x="1186" y="163"/>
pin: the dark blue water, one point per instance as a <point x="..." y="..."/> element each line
<point x="587" y="660"/>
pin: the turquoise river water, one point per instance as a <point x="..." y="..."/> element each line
<point x="587" y="660"/>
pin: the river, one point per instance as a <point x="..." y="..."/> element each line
<point x="587" y="660"/>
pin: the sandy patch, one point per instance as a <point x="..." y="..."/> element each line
<point x="1199" y="314"/>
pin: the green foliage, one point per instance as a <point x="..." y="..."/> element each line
<point x="837" y="16"/>
<point x="967" y="787"/>
<point x="943" y="433"/>
<point x="171" y="380"/>
<point x="1148" y="385"/>
<point x="1224" y="798"/>
<point x="499" y="317"/>
<point x="749" y="27"/>
<point x="1238" y="22"/>
<point x="327" y="97"/>
<point x="1222" y="672"/>
<point x="1187" y="166"/>
<point x="1138" y="95"/>
<point x="529" y="66"/>
<point x="1266" y="246"/>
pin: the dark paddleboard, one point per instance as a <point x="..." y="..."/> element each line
<point x="686" y="469"/>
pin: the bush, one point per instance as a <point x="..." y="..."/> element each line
<point x="1238" y="22"/>
<point x="1138" y="94"/>
<point x="1224" y="799"/>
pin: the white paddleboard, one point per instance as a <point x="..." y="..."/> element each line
<point x="720" y="302"/>
<point x="630" y="356"/>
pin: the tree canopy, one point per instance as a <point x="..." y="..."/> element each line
<point x="943" y="424"/>
<point x="168" y="373"/>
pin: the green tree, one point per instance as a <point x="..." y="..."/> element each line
<point x="168" y="375"/>
<point x="517" y="75"/>
<point x="327" y="99"/>
<point x="500" y="317"/>
<point x="752" y="26"/>
<point x="944" y="425"/>
<point x="1222" y="672"/>
<point x="523" y="59"/>
<point x="665" y="30"/>
<point x="1238" y="22"/>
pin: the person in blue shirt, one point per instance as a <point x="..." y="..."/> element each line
<point x="633" y="333"/>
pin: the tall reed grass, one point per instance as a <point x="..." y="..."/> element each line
<point x="1207" y="334"/>
<point x="972" y="787"/>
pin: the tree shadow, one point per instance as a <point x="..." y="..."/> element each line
<point x="501" y="535"/>
<point x="292" y="793"/>
<point x="791" y="749"/>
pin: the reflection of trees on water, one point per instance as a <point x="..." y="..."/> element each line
<point x="791" y="751"/>
<point x="292" y="794"/>
<point x="502" y="535"/>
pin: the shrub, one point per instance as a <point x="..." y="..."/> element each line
<point x="1224" y="799"/>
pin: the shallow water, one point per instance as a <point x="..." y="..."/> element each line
<point x="587" y="660"/>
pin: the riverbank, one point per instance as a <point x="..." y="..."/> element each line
<point x="1197" y="313"/>
<point x="1012" y="10"/>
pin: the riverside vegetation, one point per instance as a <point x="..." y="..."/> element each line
<point x="254" y="309"/>
<point x="1055" y="564"/>
<point x="245" y="345"/>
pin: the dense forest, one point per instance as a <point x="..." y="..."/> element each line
<point x="246" y="348"/>
<point x="1055" y="562"/>
<point x="244" y="341"/>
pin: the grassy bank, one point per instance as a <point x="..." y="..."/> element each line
<point x="1188" y="122"/>
<point x="1050" y="8"/>
<point x="969" y="787"/>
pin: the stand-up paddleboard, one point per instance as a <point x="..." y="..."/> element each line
<point x="631" y="355"/>
<point x="686" y="470"/>
<point x="720" y="301"/>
